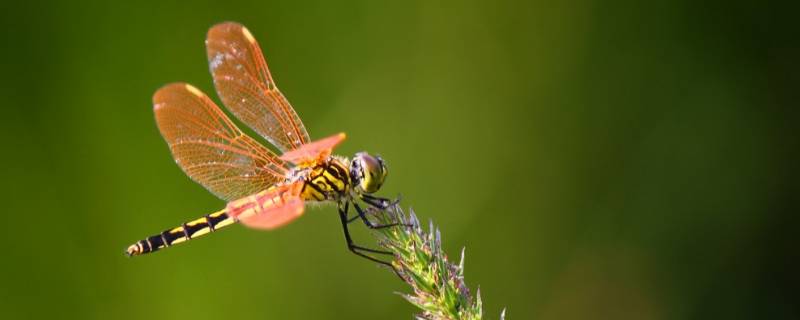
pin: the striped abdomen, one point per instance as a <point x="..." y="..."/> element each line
<point x="267" y="209"/>
<point x="186" y="231"/>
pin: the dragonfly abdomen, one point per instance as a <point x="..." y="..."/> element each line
<point x="184" y="232"/>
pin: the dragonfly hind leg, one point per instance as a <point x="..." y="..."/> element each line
<point x="356" y="249"/>
<point x="350" y="243"/>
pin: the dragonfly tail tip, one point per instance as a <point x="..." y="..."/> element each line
<point x="132" y="250"/>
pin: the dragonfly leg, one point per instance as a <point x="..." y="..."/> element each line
<point x="356" y="249"/>
<point x="370" y="224"/>
<point x="351" y="245"/>
<point x="354" y="218"/>
<point x="378" y="202"/>
<point x="346" y="210"/>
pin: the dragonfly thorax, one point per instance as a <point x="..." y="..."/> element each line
<point x="327" y="180"/>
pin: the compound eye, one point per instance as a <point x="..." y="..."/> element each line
<point x="383" y="165"/>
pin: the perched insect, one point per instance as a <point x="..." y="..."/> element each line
<point x="264" y="190"/>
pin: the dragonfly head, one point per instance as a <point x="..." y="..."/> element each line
<point x="367" y="172"/>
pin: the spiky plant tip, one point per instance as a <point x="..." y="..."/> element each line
<point x="438" y="285"/>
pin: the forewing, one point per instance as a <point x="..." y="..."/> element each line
<point x="246" y="88"/>
<point x="210" y="148"/>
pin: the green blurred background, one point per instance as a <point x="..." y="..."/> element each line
<point x="598" y="160"/>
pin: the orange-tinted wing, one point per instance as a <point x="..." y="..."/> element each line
<point x="246" y="87"/>
<point x="210" y="148"/>
<point x="270" y="208"/>
<point x="313" y="151"/>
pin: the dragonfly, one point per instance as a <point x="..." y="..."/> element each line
<point x="263" y="190"/>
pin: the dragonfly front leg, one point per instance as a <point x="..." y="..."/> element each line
<point x="382" y="204"/>
<point x="370" y="224"/>
<point x="378" y="202"/>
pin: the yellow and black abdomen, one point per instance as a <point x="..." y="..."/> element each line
<point x="326" y="181"/>
<point x="187" y="231"/>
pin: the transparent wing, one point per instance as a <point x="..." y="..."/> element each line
<point x="269" y="209"/>
<point x="210" y="148"/>
<point x="246" y="88"/>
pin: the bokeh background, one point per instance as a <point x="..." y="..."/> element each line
<point x="599" y="160"/>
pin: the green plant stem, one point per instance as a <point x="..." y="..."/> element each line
<point x="438" y="285"/>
